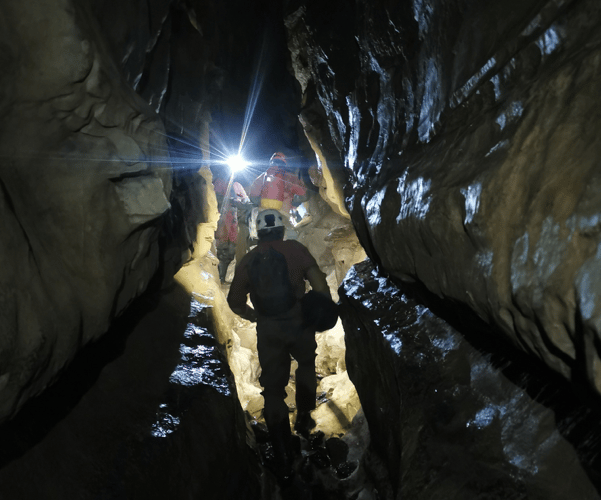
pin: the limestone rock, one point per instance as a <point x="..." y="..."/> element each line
<point x="469" y="134"/>
<point x="450" y="420"/>
<point x="82" y="205"/>
<point x="147" y="412"/>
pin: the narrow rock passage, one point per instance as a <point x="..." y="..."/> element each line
<point x="328" y="460"/>
<point x="147" y="412"/>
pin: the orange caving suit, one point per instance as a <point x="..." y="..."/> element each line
<point x="277" y="187"/>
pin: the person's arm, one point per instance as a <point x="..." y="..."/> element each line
<point x="254" y="193"/>
<point x="246" y="312"/>
<point x="237" y="296"/>
<point x="320" y="312"/>
<point x="317" y="280"/>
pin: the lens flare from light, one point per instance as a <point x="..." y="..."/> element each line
<point x="236" y="163"/>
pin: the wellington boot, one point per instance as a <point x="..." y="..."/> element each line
<point x="304" y="423"/>
<point x="281" y="438"/>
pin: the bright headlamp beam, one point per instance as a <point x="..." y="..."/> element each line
<point x="236" y="163"/>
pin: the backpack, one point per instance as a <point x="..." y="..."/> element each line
<point x="271" y="291"/>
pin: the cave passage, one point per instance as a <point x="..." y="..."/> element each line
<point x="326" y="460"/>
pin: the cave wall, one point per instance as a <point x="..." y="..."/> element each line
<point x="148" y="411"/>
<point x="110" y="388"/>
<point x="468" y="133"/>
<point x="104" y="184"/>
<point x="450" y="419"/>
<point x="459" y="136"/>
<point x="465" y="135"/>
<point x="105" y="187"/>
<point x="81" y="202"/>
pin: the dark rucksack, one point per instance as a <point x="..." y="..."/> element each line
<point x="271" y="292"/>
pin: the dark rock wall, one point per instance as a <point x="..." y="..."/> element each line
<point x="469" y="135"/>
<point x="150" y="411"/>
<point x="82" y="203"/>
<point x="107" y="112"/>
<point x="452" y="420"/>
<point x="466" y="134"/>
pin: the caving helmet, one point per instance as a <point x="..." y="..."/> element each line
<point x="278" y="160"/>
<point x="269" y="219"/>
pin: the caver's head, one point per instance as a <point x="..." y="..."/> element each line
<point x="270" y="225"/>
<point x="278" y="160"/>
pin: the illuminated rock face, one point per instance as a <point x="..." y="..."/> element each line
<point x="78" y="196"/>
<point x="451" y="421"/>
<point x="469" y="135"/>
<point x="465" y="135"/>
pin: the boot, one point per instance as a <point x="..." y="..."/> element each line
<point x="281" y="438"/>
<point x="304" y="423"/>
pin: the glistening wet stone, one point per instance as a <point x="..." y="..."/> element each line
<point x="451" y="419"/>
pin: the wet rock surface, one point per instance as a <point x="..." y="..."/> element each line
<point x="89" y="211"/>
<point x="454" y="420"/>
<point x="324" y="468"/>
<point x="148" y="412"/>
<point x="465" y="137"/>
<point x="468" y="136"/>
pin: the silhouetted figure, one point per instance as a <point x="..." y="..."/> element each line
<point x="275" y="274"/>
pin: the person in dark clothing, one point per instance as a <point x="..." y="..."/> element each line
<point x="282" y="335"/>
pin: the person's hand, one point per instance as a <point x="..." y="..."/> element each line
<point x="250" y="314"/>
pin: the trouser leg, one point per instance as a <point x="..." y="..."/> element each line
<point x="306" y="381"/>
<point x="306" y="386"/>
<point x="275" y="370"/>
<point x="222" y="267"/>
<point x="274" y="359"/>
<point x="225" y="254"/>
<point x="281" y="440"/>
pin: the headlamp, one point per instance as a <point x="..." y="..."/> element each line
<point x="236" y="163"/>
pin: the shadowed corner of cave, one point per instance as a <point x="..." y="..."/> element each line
<point x="577" y="408"/>
<point x="130" y="404"/>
